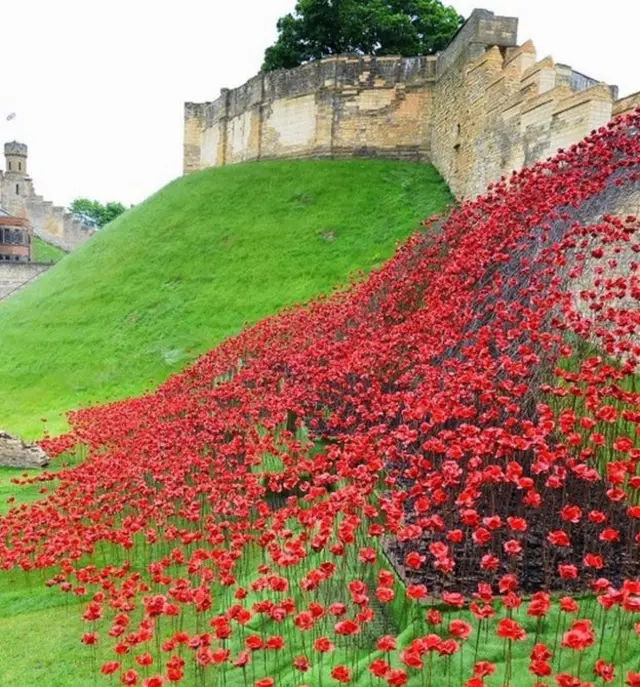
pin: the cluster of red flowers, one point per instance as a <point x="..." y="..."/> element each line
<point x="468" y="415"/>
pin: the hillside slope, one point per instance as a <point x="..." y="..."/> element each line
<point x="204" y="256"/>
<point x="45" y="252"/>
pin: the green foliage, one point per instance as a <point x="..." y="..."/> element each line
<point x="41" y="251"/>
<point x="29" y="609"/>
<point x="193" y="264"/>
<point x="99" y="213"/>
<point x="319" y="28"/>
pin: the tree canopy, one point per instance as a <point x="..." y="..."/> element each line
<point x="96" y="211"/>
<point x="320" y="28"/>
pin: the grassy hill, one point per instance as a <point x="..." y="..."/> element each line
<point x="204" y="256"/>
<point x="45" y="252"/>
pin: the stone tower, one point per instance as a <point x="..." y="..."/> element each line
<point x="16" y="185"/>
<point x="15" y="155"/>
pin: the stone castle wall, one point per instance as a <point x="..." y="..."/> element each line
<point x="337" y="107"/>
<point x="52" y="223"/>
<point x="483" y="107"/>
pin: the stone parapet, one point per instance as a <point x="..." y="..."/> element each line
<point x="482" y="108"/>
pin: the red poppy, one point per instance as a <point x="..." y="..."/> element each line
<point x="341" y="674"/>
<point x="414" y="560"/>
<point x="323" y="645"/>
<point x="301" y="663"/>
<point x="605" y="671"/>
<point x="386" y="643"/>
<point x="265" y="682"/>
<point x="459" y="629"/>
<point x="398" y="678"/>
<point x="379" y="667"/>
<point x="510" y="629"/>
<point x="483" y="668"/>
<point x="416" y="591"/>
<point x="110" y="667"/>
<point x="633" y="679"/>
<point x="579" y="636"/>
<point x="154" y="681"/>
<point x="129" y="678"/>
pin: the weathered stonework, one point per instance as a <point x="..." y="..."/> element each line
<point x="50" y="222"/>
<point x="483" y="107"/>
<point x="15" y="453"/>
<point x="15" y="276"/>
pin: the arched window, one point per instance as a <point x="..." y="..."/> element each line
<point x="17" y="189"/>
<point x="9" y="166"/>
<point x="19" y="166"/>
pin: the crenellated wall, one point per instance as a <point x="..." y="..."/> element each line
<point x="480" y="109"/>
<point x="50" y="222"/>
<point x="337" y="107"/>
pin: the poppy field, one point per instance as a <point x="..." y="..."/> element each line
<point x="428" y="478"/>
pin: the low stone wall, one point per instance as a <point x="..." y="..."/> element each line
<point x="14" y="276"/>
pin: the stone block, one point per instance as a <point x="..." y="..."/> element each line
<point x="15" y="453"/>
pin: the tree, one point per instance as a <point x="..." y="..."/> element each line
<point x="96" y="211"/>
<point x="319" y="28"/>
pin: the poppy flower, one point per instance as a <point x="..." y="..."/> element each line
<point x="110" y="667"/>
<point x="510" y="629"/>
<point x="416" y="591"/>
<point x="301" y="664"/>
<point x="154" y="681"/>
<point x="459" y="629"/>
<point x="605" y="671"/>
<point x="265" y="682"/>
<point x="483" y="668"/>
<point x="384" y="594"/>
<point x="323" y="645"/>
<point x="386" y="643"/>
<point x="379" y="667"/>
<point x="397" y="677"/>
<point x="579" y="636"/>
<point x="633" y="679"/>
<point x="341" y="674"/>
<point x="414" y="560"/>
<point x="347" y="628"/>
<point x="433" y="616"/>
<point x="130" y="677"/>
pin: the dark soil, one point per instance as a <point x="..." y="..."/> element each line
<point x="537" y="566"/>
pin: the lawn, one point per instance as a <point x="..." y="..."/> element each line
<point x="41" y="251"/>
<point x="203" y="257"/>
<point x="41" y="630"/>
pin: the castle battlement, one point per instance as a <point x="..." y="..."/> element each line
<point x="52" y="223"/>
<point x="478" y="110"/>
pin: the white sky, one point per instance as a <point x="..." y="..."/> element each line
<point x="98" y="85"/>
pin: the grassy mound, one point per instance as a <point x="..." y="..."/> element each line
<point x="192" y="265"/>
<point x="45" y="252"/>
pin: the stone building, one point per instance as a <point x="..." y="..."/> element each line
<point x="15" y="238"/>
<point x="53" y="223"/>
<point x="478" y="110"/>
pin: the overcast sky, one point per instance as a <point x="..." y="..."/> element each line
<point x="98" y="85"/>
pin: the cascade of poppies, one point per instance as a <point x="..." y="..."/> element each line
<point x="459" y="430"/>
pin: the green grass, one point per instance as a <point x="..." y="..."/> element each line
<point x="41" y="251"/>
<point x="192" y="265"/>
<point x="40" y="631"/>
